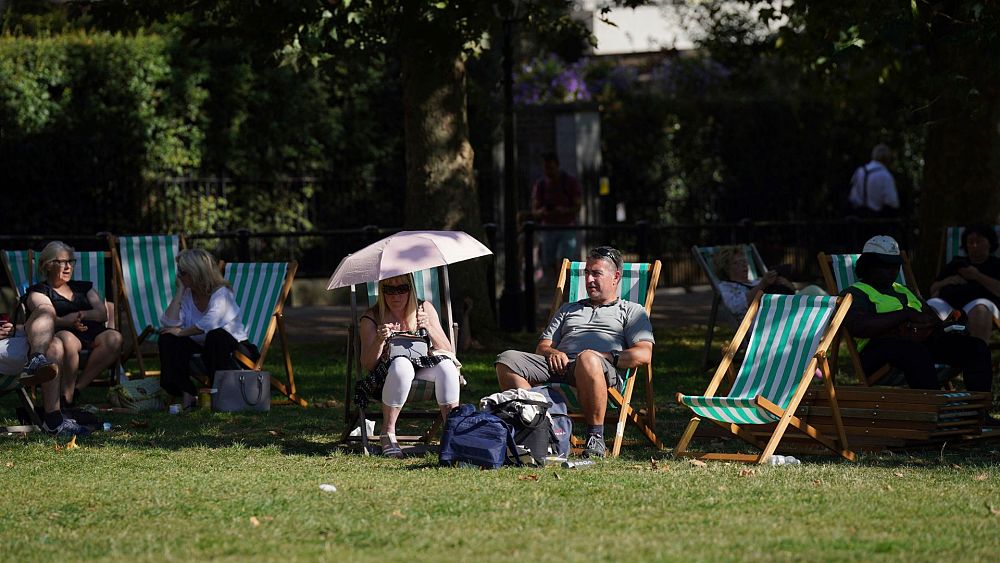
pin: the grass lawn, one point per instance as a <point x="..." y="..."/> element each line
<point x="230" y="486"/>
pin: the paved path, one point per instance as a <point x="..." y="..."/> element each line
<point x="674" y="307"/>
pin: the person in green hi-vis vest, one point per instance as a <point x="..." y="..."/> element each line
<point x="892" y="325"/>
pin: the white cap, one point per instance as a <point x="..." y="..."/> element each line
<point x="883" y="247"/>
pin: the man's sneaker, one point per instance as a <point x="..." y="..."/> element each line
<point x="68" y="427"/>
<point x="38" y="369"/>
<point x="595" y="446"/>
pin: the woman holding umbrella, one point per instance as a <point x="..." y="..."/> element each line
<point x="398" y="310"/>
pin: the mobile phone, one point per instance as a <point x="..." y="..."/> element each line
<point x="4" y="318"/>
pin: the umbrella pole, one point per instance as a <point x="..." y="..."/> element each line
<point x="446" y="303"/>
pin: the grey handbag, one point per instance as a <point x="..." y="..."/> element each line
<point x="241" y="390"/>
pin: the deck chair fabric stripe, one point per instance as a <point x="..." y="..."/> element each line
<point x="90" y="266"/>
<point x="149" y="269"/>
<point x="257" y="288"/>
<point x="843" y="266"/>
<point x="19" y="263"/>
<point x="784" y="338"/>
<point x="953" y="243"/>
<point x="633" y="287"/>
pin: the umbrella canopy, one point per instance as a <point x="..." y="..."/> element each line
<point x="403" y="253"/>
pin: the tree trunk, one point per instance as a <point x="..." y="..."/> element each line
<point x="440" y="182"/>
<point x="961" y="180"/>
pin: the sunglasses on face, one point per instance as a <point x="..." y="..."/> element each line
<point x="396" y="289"/>
<point x="63" y="263"/>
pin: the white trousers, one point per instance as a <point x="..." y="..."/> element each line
<point x="400" y="378"/>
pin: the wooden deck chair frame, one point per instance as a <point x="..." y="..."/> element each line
<point x="420" y="391"/>
<point x="786" y="416"/>
<point x="826" y="268"/>
<point x="621" y="400"/>
<point x="951" y="247"/>
<point x="9" y="384"/>
<point x="702" y="255"/>
<point x="135" y="336"/>
<point x="235" y="272"/>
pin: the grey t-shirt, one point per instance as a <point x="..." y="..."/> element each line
<point x="580" y="326"/>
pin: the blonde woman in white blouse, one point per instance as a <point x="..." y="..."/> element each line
<point x="202" y="318"/>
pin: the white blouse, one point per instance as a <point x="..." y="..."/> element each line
<point x="222" y="312"/>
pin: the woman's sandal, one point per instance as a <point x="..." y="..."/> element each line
<point x="391" y="449"/>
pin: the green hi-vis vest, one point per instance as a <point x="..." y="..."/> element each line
<point x="887" y="303"/>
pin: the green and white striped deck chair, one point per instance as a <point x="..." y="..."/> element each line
<point x="638" y="285"/>
<point x="953" y="244"/>
<point x="789" y="340"/>
<point x="19" y="265"/>
<point x="705" y="257"/>
<point x="261" y="290"/>
<point x="432" y="286"/>
<point x="838" y="274"/>
<point x="92" y="266"/>
<point x="146" y="272"/>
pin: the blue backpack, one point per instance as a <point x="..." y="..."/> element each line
<point x="475" y="437"/>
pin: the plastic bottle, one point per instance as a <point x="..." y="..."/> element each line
<point x="107" y="426"/>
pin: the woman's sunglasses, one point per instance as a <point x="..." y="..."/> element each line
<point x="396" y="289"/>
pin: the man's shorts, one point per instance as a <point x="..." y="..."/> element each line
<point x="13" y="354"/>
<point x="535" y="369"/>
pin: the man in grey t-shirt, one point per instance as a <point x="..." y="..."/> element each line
<point x="585" y="344"/>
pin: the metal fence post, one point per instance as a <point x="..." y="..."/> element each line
<point x="529" y="275"/>
<point x="491" y="269"/>
<point x="243" y="245"/>
<point x="643" y="242"/>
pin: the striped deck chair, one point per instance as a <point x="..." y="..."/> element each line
<point x="951" y="245"/>
<point x="92" y="266"/>
<point x="952" y="248"/>
<point x="704" y="256"/>
<point x="838" y="274"/>
<point x="431" y="286"/>
<point x="146" y="273"/>
<point x="19" y="265"/>
<point x="789" y="339"/>
<point x="638" y="285"/>
<point x="261" y="290"/>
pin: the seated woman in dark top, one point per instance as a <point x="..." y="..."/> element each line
<point x="971" y="283"/>
<point x="81" y="316"/>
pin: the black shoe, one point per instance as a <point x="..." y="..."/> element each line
<point x="82" y="416"/>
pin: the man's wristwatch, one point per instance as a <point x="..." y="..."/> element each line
<point x="615" y="354"/>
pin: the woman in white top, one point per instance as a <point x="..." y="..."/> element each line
<point x="202" y="318"/>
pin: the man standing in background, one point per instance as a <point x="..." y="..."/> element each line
<point x="873" y="189"/>
<point x="555" y="201"/>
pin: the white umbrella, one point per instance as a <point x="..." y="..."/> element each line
<point x="403" y="253"/>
